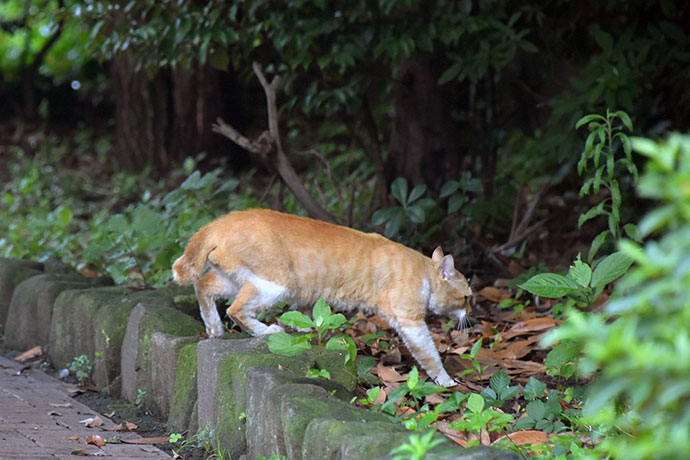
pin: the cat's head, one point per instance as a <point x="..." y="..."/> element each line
<point x="451" y="289"/>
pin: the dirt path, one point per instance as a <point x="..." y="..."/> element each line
<point x="39" y="420"/>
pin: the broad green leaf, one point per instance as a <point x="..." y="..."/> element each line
<point x="587" y="118"/>
<point x="550" y="285"/>
<point x="611" y="268"/>
<point x="334" y="321"/>
<point x="449" y="188"/>
<point x="315" y="373"/>
<point x="451" y="73"/>
<point x="384" y="215"/>
<point x="597" y="210"/>
<point x="563" y="353"/>
<point x="416" y="193"/>
<point x="580" y="272"/>
<point x="533" y="389"/>
<point x="343" y="342"/>
<point x="296" y="319"/>
<point x="499" y="381"/>
<point x="536" y="409"/>
<point x="399" y="190"/>
<point x="475" y="403"/>
<point x="453" y="403"/>
<point x="282" y="343"/>
<point x="65" y="216"/>
<point x="413" y="378"/>
<point x="118" y="223"/>
<point x="320" y="312"/>
<point x="598" y="241"/>
<point x="416" y="213"/>
<point x="475" y="348"/>
<point x="393" y="226"/>
<point x="625" y="119"/>
<point x="426" y="420"/>
<point x="455" y="203"/>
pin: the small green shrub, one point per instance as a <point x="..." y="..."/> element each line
<point x="639" y="345"/>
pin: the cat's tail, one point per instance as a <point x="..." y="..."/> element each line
<point x="188" y="267"/>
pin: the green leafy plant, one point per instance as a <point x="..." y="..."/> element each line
<point x="418" y="447"/>
<point x="478" y="417"/>
<point x="581" y="283"/>
<point x="606" y="137"/>
<point x="141" y="397"/>
<point x="636" y="347"/>
<point x="412" y="393"/>
<point x="81" y="367"/>
<point x="324" y="322"/>
<point x="499" y="390"/>
<point x="542" y="414"/>
<point x="457" y="191"/>
<point x="472" y="356"/>
<point x="412" y="210"/>
<point x="102" y="356"/>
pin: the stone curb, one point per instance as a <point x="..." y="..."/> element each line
<point x="257" y="403"/>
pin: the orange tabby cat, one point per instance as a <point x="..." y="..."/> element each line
<point x="261" y="257"/>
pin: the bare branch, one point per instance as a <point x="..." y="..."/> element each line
<point x="269" y="145"/>
<point x="257" y="147"/>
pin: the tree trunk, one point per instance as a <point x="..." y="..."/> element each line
<point x="162" y="120"/>
<point x="423" y="146"/>
<point x="141" y="118"/>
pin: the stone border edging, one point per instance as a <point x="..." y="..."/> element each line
<point x="143" y="344"/>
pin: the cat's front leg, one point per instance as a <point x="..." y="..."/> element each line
<point x="418" y="339"/>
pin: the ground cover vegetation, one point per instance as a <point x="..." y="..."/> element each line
<point x="534" y="141"/>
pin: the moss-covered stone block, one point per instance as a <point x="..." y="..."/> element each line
<point x="146" y="319"/>
<point x="165" y="350"/>
<point x="31" y="309"/>
<point x="12" y="273"/>
<point x="354" y="439"/>
<point x="300" y="404"/>
<point x="93" y="322"/>
<point x="184" y="400"/>
<point x="264" y="428"/>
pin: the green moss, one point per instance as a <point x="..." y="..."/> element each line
<point x="185" y="396"/>
<point x="167" y="321"/>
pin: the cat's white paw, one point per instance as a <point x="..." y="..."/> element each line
<point x="215" y="332"/>
<point x="272" y="329"/>
<point x="445" y="381"/>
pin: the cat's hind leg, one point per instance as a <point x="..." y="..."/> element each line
<point x="208" y="288"/>
<point x="248" y="303"/>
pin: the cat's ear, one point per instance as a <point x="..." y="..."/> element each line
<point x="447" y="267"/>
<point x="437" y="255"/>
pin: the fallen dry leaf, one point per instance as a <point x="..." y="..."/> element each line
<point x="82" y="453"/>
<point x="388" y="374"/>
<point x="149" y="449"/>
<point x="95" y="439"/>
<point x="110" y="414"/>
<point x="156" y="440"/>
<point x="131" y="426"/>
<point x="92" y="422"/>
<point x="30" y="354"/>
<point x="55" y="413"/>
<point x="453" y="435"/>
<point x="74" y="438"/>
<point x="73" y="389"/>
<point x="118" y="427"/>
<point x="530" y="325"/>
<point x="494" y="294"/>
<point x="526" y="437"/>
<point x="175" y="454"/>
